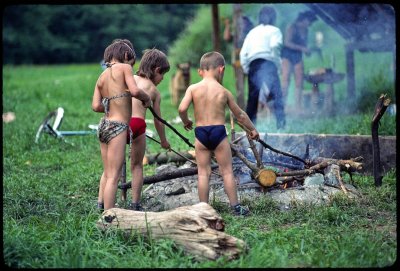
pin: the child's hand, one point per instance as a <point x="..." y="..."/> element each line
<point x="165" y="144"/>
<point x="188" y="125"/>
<point x="147" y="103"/>
<point x="254" y="135"/>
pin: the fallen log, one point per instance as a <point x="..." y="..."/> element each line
<point x="197" y="228"/>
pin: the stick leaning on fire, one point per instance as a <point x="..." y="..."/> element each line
<point x="347" y="165"/>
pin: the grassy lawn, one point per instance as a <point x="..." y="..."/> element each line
<point x="50" y="191"/>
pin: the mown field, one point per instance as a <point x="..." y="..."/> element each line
<point x="50" y="191"/>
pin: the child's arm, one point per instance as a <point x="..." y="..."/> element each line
<point x="160" y="127"/>
<point x="183" y="107"/>
<point x="242" y="117"/>
<point x="97" y="106"/>
<point x="133" y="88"/>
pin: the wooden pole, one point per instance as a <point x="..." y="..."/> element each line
<point x="215" y="23"/>
<point x="351" y="84"/>
<point x="237" y="45"/>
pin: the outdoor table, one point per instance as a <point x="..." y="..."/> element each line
<point x="328" y="77"/>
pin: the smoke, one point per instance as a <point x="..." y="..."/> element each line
<point x="374" y="70"/>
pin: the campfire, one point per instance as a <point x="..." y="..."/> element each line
<point x="260" y="172"/>
<point x="287" y="177"/>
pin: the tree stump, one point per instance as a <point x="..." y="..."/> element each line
<point x="197" y="228"/>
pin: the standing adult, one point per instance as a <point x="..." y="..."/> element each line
<point x="295" y="44"/>
<point x="260" y="59"/>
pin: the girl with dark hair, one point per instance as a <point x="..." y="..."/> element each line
<point x="112" y="95"/>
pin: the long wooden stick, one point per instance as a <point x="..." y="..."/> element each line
<point x="273" y="149"/>
<point x="170" y="126"/>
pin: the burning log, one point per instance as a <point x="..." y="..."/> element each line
<point x="197" y="228"/>
<point x="265" y="177"/>
<point x="380" y="109"/>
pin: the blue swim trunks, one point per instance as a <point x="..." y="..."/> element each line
<point x="210" y="136"/>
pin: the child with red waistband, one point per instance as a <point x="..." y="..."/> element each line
<point x="210" y="100"/>
<point x="153" y="65"/>
<point x="112" y="95"/>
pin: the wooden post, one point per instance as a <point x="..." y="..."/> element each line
<point x="351" y="87"/>
<point x="315" y="97"/>
<point x="394" y="63"/>
<point x="239" y="75"/>
<point x="215" y="22"/>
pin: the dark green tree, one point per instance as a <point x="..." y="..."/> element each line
<point x="46" y="34"/>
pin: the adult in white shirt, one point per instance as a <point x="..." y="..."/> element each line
<point x="260" y="59"/>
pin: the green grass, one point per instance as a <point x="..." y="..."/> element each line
<point x="50" y="190"/>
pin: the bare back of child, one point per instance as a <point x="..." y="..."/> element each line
<point x="112" y="95"/>
<point x="210" y="100"/>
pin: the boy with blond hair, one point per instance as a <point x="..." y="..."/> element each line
<point x="210" y="100"/>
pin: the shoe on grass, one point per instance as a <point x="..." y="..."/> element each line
<point x="100" y="206"/>
<point x="240" y="210"/>
<point x="135" y="206"/>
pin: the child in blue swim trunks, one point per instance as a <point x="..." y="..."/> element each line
<point x="210" y="99"/>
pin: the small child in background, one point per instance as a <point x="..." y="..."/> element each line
<point x="112" y="95"/>
<point x="210" y="100"/>
<point x="153" y="65"/>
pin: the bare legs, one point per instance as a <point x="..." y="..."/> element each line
<point x="224" y="158"/>
<point x="137" y="154"/>
<point x="298" y="70"/>
<point x="298" y="78"/>
<point x="113" y="156"/>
